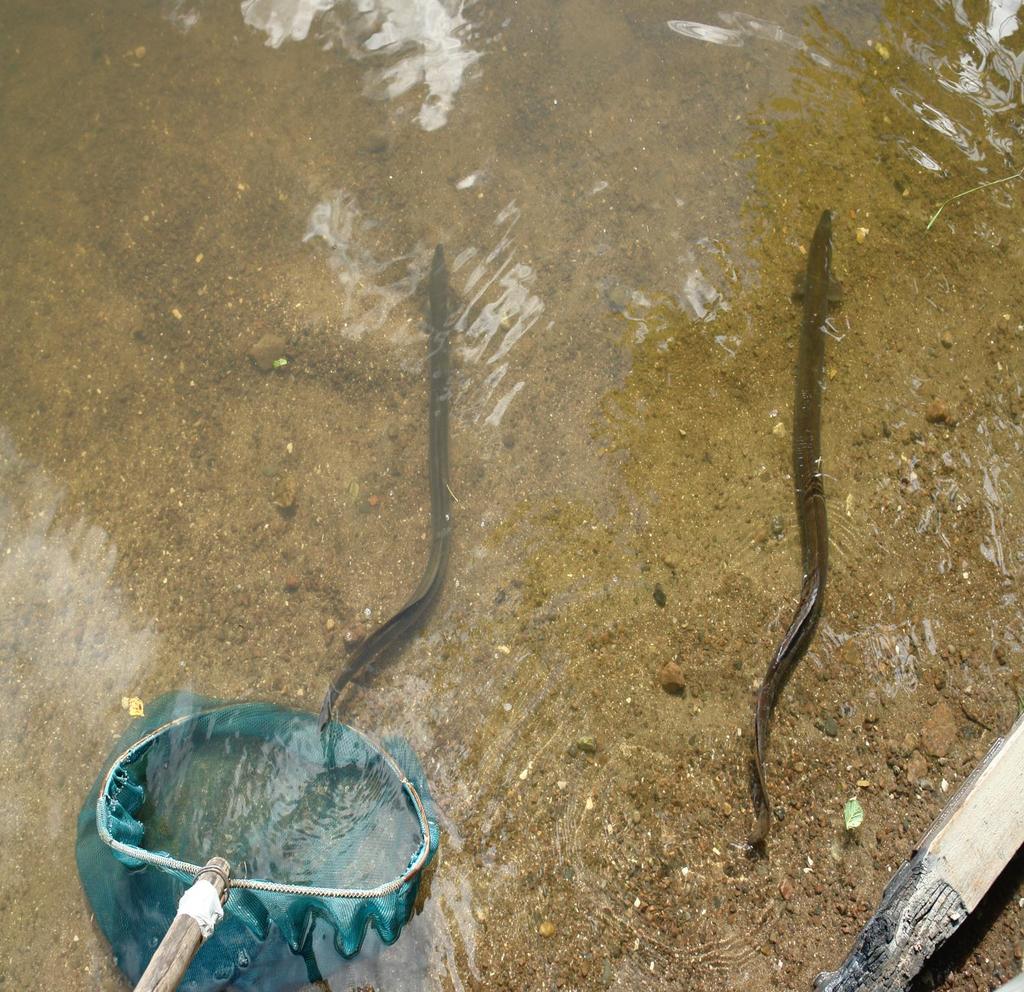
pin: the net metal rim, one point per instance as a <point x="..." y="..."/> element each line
<point x="258" y="884"/>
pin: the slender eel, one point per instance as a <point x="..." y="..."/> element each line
<point x="419" y="603"/>
<point x="810" y="505"/>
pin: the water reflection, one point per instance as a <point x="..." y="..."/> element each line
<point x="72" y="646"/>
<point x="739" y="27"/>
<point x="69" y="631"/>
<point x="983" y="70"/>
<point x="421" y="43"/>
<point x="372" y="287"/>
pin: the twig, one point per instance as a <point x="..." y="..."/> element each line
<point x="1019" y="174"/>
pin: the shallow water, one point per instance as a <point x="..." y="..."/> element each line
<point x="624" y="193"/>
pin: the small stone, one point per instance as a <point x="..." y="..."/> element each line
<point x="139" y="51"/>
<point x="786" y="889"/>
<point x="779" y="430"/>
<point x="947" y="340"/>
<point x="917" y="768"/>
<point x="292" y="582"/>
<point x="331" y="624"/>
<point x="546" y="929"/>
<point x="659" y="595"/>
<point x="937" y="412"/>
<point x="286" y="491"/>
<point x="354" y="636"/>
<point x="269" y="349"/>
<point x="830" y="727"/>
<point x="671" y="679"/>
<point x="861" y="233"/>
<point x="778" y="527"/>
<point x="587" y="745"/>
<point x="939" y="731"/>
<point x="619" y="298"/>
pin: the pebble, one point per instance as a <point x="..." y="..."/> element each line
<point x="292" y="582"/>
<point x="546" y="929"/>
<point x="830" y="727"/>
<point x="937" y="412"/>
<point x="588" y="745"/>
<point x="354" y="636"/>
<point x="659" y="595"/>
<point x="266" y="351"/>
<point x="939" y="731"/>
<point x="671" y="679"/>
<point x="947" y="340"/>
<point x="917" y="768"/>
<point x="286" y="491"/>
<point x="786" y="889"/>
<point x="618" y="298"/>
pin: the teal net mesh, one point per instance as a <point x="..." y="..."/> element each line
<point x="327" y="835"/>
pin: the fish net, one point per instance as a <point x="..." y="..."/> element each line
<point x="327" y="835"/>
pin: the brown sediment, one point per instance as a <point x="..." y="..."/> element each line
<point x="810" y="506"/>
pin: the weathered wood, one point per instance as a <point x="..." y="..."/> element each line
<point x="965" y="849"/>
<point x="171" y="959"/>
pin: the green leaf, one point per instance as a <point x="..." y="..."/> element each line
<point x="853" y="814"/>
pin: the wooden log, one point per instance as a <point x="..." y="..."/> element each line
<point x="960" y="856"/>
<point x="171" y="959"/>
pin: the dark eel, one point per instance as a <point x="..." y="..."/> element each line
<point x="419" y="603"/>
<point x="810" y="504"/>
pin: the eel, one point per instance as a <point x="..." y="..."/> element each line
<point x="818" y="289"/>
<point x="418" y="604"/>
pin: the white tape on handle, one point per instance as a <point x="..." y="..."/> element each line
<point x="202" y="903"/>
